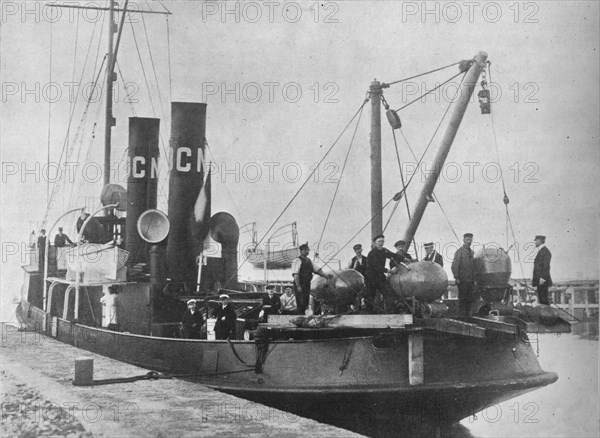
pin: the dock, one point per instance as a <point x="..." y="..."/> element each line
<point x="578" y="298"/>
<point x="39" y="398"/>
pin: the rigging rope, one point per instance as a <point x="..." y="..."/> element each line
<point x="84" y="115"/>
<point x="403" y="186"/>
<point x="423" y="155"/>
<point x="308" y="178"/>
<point x="427" y="148"/>
<point x="75" y="53"/>
<point x="435" y="197"/>
<point x="66" y="148"/>
<point x="431" y="91"/>
<point x="162" y="184"/>
<point x="339" y="181"/>
<point x="162" y="143"/>
<point x="128" y="95"/>
<point x="162" y="110"/>
<point x="49" y="130"/>
<point x="98" y="46"/>
<point x="421" y="74"/>
<point x="363" y="227"/>
<point x="93" y="137"/>
<point x="398" y="195"/>
<point x="169" y="59"/>
<point x="509" y="224"/>
<point x="219" y="173"/>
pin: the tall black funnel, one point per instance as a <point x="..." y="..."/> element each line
<point x="188" y="127"/>
<point x="142" y="182"/>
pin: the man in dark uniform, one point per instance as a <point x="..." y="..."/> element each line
<point x="463" y="269"/>
<point x="93" y="232"/>
<point x="541" y="269"/>
<point x="358" y="262"/>
<point x="61" y="239"/>
<point x="375" y="278"/>
<point x="401" y="255"/>
<point x="432" y="255"/>
<point x="41" y="245"/>
<point x="192" y="322"/>
<point x="270" y="304"/>
<point x="226" y="318"/>
<point x="302" y="271"/>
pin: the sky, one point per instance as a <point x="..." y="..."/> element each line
<point x="282" y="81"/>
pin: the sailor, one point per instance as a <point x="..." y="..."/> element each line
<point x="463" y="269"/>
<point x="302" y="271"/>
<point x="358" y="262"/>
<point x="431" y="255"/>
<point x="226" y="318"/>
<point x="401" y="255"/>
<point x="61" y="239"/>
<point x="270" y="304"/>
<point x="192" y="321"/>
<point x="41" y="245"/>
<point x="541" y="269"/>
<point x="32" y="239"/>
<point x="93" y="232"/>
<point x="375" y="278"/>
<point x="288" y="302"/>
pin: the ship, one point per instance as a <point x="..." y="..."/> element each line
<point x="123" y="298"/>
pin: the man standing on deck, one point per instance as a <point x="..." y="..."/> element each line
<point x="463" y="269"/>
<point x="541" y="270"/>
<point x="93" y="232"/>
<point x="401" y="255"/>
<point x="61" y="239"/>
<point x="192" y="321"/>
<point x="302" y="271"/>
<point x="226" y="318"/>
<point x="41" y="244"/>
<point x="431" y="255"/>
<point x="358" y="262"/>
<point x="375" y="279"/>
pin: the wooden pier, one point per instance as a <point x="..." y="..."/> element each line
<point x="577" y="297"/>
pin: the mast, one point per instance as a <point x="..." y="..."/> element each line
<point x="110" y="76"/>
<point x="458" y="112"/>
<point x="376" y="190"/>
<point x="109" y="120"/>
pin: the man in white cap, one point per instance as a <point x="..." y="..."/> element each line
<point x="541" y="270"/>
<point x="191" y="322"/>
<point x="432" y="255"/>
<point x="226" y="317"/>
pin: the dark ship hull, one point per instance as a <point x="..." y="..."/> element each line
<point x="436" y="371"/>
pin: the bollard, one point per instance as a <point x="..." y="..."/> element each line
<point x="84" y="371"/>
